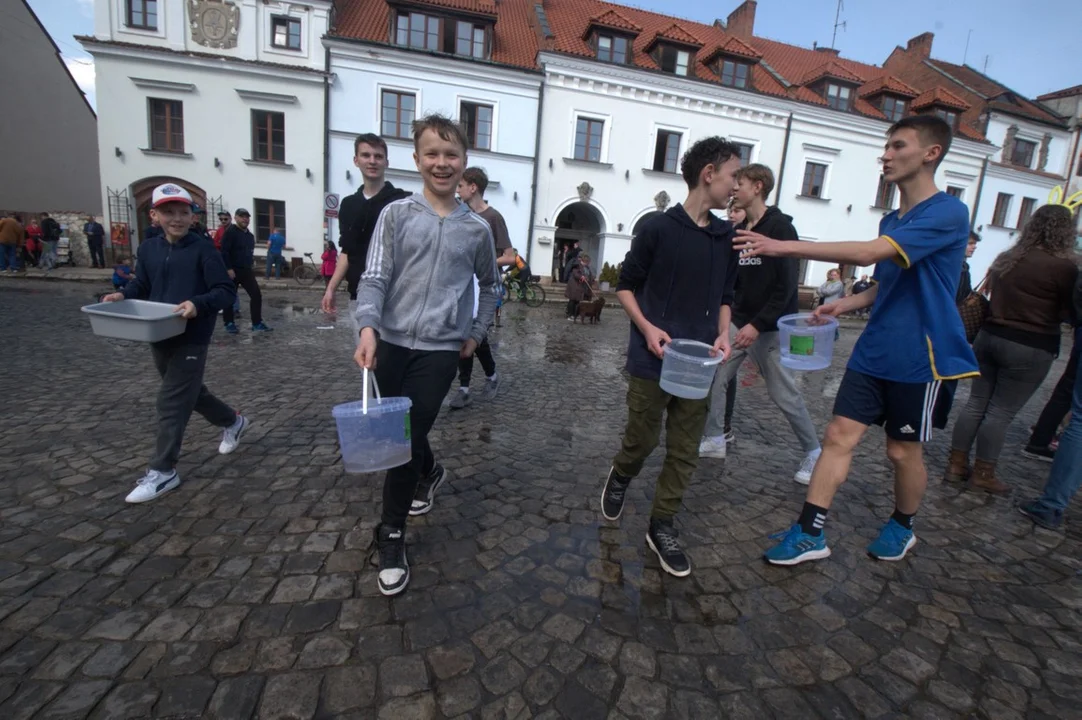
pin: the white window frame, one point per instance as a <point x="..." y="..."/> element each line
<point x="268" y="34"/>
<point x="378" y="119"/>
<point x="606" y="133"/>
<point x="755" y="146"/>
<point x="494" y="104"/>
<point x="121" y="8"/>
<point x="659" y="127"/>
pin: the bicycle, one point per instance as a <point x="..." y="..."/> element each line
<point x="529" y="292"/>
<point x="307" y="273"/>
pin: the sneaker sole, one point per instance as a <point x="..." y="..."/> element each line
<point x="612" y="518"/>
<point x="169" y="487"/>
<point x="664" y="565"/>
<point x="713" y="454"/>
<point x="1035" y="456"/>
<point x="1038" y="520"/>
<point x="389" y="592"/>
<point x="800" y="480"/>
<point x="243" y="428"/>
<point x="908" y="546"/>
<point x="427" y="508"/>
<point x="803" y="557"/>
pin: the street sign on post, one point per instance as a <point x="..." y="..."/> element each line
<point x="330" y="205"/>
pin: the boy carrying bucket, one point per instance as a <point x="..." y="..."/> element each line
<point x="181" y="267"/>
<point x="415" y="311"/>
<point x="676" y="283"/>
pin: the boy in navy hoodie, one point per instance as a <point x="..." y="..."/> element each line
<point x="676" y="282"/>
<point x="181" y="267"/>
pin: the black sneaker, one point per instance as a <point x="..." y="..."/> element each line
<point x="394" y="569"/>
<point x="426" y="490"/>
<point x="1039" y="453"/>
<point x="663" y="539"/>
<point x="612" y="497"/>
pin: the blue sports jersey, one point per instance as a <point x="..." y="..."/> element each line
<point x="914" y="333"/>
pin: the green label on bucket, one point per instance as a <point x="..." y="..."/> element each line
<point x="801" y="345"/>
<point x="407" y="424"/>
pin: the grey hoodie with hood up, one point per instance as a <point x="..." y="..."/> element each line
<point x="417" y="287"/>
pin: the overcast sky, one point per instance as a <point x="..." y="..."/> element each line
<point x="1032" y="51"/>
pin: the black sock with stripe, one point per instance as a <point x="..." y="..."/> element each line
<point x="812" y="519"/>
<point x="902" y="519"/>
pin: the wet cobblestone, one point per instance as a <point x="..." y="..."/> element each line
<point x="248" y="593"/>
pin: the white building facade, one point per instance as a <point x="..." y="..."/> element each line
<point x="383" y="89"/>
<point x="225" y="97"/>
<point x="636" y="122"/>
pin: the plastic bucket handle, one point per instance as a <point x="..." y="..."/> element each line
<point x="364" y="393"/>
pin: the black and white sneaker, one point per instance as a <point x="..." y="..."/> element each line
<point x="426" y="490"/>
<point x="394" y="569"/>
<point x="1035" y="452"/>
<point x="663" y="539"/>
<point x="612" y="497"/>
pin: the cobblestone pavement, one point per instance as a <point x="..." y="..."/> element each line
<point x="248" y="592"/>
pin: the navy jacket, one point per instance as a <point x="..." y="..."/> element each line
<point x="681" y="275"/>
<point x="192" y="269"/>
<point x="238" y="248"/>
<point x="766" y="287"/>
<point x="94" y="229"/>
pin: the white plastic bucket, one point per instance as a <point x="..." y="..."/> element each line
<point x="806" y="346"/>
<point x="374" y="435"/>
<point x="687" y="369"/>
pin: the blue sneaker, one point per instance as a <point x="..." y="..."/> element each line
<point x="893" y="543"/>
<point x="261" y="327"/>
<point x="796" y="546"/>
<point x="231" y="328"/>
<point x="1040" y="515"/>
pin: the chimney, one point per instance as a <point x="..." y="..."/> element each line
<point x="741" y="22"/>
<point x="921" y="45"/>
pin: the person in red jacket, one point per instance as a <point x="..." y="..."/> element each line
<point x="224" y="221"/>
<point x="330" y="259"/>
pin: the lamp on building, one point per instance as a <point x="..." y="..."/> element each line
<point x="849" y="209"/>
<point x="619" y="227"/>
<point x="516" y="196"/>
<point x="118" y="152"/>
<point x="308" y="173"/>
<point x="550" y="163"/>
<point x="217" y="163"/>
<point x="348" y="176"/>
<point x="627" y="174"/>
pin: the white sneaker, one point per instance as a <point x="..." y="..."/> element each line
<point x="153" y="484"/>
<point x="803" y="475"/>
<point x="231" y="435"/>
<point x="712" y="447"/>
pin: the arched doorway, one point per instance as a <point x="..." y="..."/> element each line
<point x="643" y="220"/>
<point x="578" y="222"/>
<point x="141" y="191"/>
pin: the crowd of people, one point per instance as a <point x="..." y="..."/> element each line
<point x="34" y="243"/>
<point x="688" y="274"/>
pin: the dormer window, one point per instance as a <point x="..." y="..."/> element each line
<point x="893" y="107"/>
<point x="613" y="49"/>
<point x="949" y="115"/>
<point x="673" y="60"/>
<point x="734" y="74"/>
<point x="839" y="97"/>
<point x="1022" y="154"/>
<point x="431" y="32"/>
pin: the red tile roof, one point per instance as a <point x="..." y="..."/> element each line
<point x="515" y="41"/>
<point x="612" y="19"/>
<point x="732" y="46"/>
<point x="831" y="69"/>
<point x="887" y="84"/>
<point x="678" y="34"/>
<point x="1059" y="94"/>
<point x="480" y="7"/>
<point x="992" y="90"/>
<point x="939" y="96"/>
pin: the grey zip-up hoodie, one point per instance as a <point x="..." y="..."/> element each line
<point x="417" y="287"/>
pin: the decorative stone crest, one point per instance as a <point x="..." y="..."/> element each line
<point x="586" y="191"/>
<point x="1008" y="144"/>
<point x="214" y="23"/>
<point x="661" y="201"/>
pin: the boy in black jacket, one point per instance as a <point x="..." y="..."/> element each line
<point x="766" y="289"/>
<point x="676" y="282"/>
<point x="183" y="268"/>
<point x="358" y="214"/>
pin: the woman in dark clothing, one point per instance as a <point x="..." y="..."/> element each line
<point x="965" y="284"/>
<point x="579" y="285"/>
<point x="1032" y="287"/>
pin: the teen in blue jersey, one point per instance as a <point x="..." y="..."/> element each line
<point x="914" y="340"/>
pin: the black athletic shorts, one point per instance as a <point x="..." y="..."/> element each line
<point x="907" y="411"/>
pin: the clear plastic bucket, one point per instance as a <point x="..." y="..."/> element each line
<point x="805" y="346"/>
<point x="687" y="369"/>
<point x="374" y="434"/>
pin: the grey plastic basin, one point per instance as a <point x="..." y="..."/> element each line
<point x="139" y="320"/>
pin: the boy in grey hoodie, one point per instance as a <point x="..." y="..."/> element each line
<point x="415" y="311"/>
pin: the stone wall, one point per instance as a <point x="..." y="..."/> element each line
<point x="73" y="224"/>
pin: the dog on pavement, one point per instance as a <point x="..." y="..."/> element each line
<point x="591" y="309"/>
